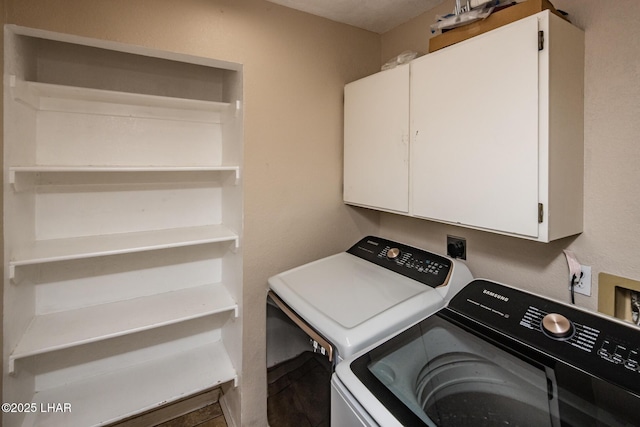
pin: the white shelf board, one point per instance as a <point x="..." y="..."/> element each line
<point x="42" y="96"/>
<point x="13" y="170"/>
<point x="41" y="251"/>
<point x="89" y="168"/>
<point x="107" y="398"/>
<point x="55" y="331"/>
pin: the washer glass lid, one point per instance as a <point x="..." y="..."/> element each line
<point x="441" y="374"/>
<point x="450" y="378"/>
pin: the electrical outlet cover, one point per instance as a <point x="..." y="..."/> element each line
<point x="457" y="247"/>
<point x="583" y="286"/>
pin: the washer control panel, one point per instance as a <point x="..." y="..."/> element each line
<point x="586" y="340"/>
<point x="426" y="267"/>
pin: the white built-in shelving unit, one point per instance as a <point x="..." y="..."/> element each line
<point x="123" y="227"/>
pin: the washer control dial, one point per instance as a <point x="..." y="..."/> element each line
<point x="556" y="325"/>
<point x="393" y="253"/>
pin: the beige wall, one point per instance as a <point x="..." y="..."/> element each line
<point x="611" y="239"/>
<point x="295" y="67"/>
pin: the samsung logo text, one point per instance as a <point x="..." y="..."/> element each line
<point x="495" y="295"/>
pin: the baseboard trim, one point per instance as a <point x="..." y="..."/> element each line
<point x="226" y="411"/>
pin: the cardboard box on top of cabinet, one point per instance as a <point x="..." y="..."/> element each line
<point x="493" y="21"/>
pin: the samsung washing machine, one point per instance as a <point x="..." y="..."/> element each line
<point x="496" y="356"/>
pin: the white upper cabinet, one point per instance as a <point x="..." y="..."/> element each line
<point x="496" y="125"/>
<point x="474" y="114"/>
<point x="376" y="134"/>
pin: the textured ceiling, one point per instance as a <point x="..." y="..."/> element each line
<point x="378" y="16"/>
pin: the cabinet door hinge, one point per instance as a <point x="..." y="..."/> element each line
<point x="540" y="40"/>
<point x="540" y="213"/>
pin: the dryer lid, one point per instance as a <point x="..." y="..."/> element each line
<point x="353" y="302"/>
<point x="344" y="288"/>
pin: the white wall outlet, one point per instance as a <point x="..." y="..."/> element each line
<point x="583" y="285"/>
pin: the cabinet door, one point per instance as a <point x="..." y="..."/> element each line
<point x="474" y="125"/>
<point x="376" y="140"/>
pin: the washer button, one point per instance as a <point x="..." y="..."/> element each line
<point x="556" y="325"/>
<point x="393" y="253"/>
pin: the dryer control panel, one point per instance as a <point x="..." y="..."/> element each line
<point x="426" y="267"/>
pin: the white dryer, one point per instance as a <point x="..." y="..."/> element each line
<point x="351" y="300"/>
<point x="340" y="305"/>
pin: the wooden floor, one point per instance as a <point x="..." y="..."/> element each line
<point x="209" y="416"/>
<point x="202" y="410"/>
